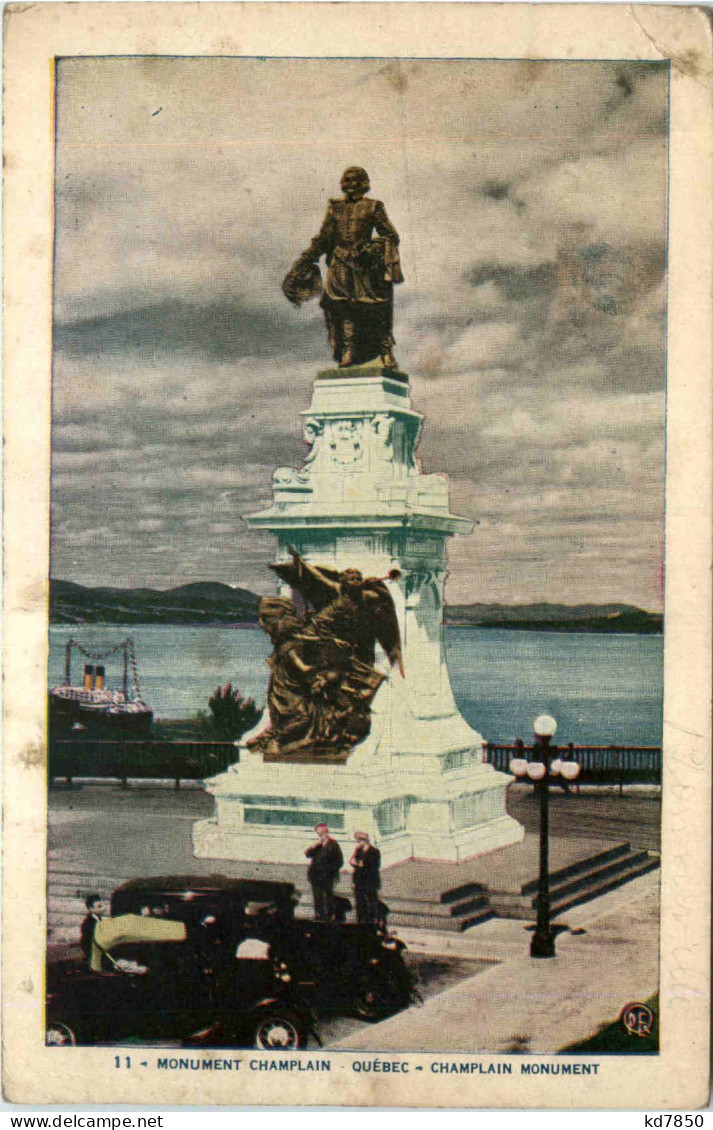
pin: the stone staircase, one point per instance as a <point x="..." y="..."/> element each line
<point x="454" y="909"/>
<point x="580" y="882"/>
<point x="458" y="908"/>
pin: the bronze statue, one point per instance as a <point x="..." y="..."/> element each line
<point x="357" y="298"/>
<point x="323" y="679"/>
<point x="288" y="698"/>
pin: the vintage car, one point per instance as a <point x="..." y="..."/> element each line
<point x="337" y="967"/>
<point x="345" y="967"/>
<point x="170" y="964"/>
<point x="224" y="962"/>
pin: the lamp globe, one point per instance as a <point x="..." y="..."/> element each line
<point x="545" y="726"/>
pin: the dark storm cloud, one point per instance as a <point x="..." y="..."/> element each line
<point x="494" y="190"/>
<point x="574" y="314"/>
<point x="515" y="283"/>
<point x="612" y="279"/>
<point x="628" y="79"/>
<point x="221" y="330"/>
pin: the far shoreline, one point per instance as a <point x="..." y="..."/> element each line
<point x="252" y="626"/>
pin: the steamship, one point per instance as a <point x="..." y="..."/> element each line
<point x="95" y="709"/>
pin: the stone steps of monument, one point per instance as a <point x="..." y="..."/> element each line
<point x="436" y="905"/>
<point x="634" y="871"/>
<point x="79" y="882"/>
<point x="572" y="886"/>
<point x="597" y="873"/>
<point x="430" y="914"/>
<point x="458" y="894"/>
<point x="455" y="909"/>
<point x="68" y="889"/>
<point x="618" y="851"/>
<point x="423" y="921"/>
<point x="66" y="892"/>
<point x="454" y="913"/>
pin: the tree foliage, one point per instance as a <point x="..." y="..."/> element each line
<point x="232" y="714"/>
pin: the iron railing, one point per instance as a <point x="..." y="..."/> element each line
<point x="121" y="759"/>
<point x="600" y="764"/>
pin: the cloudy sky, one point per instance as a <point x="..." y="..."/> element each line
<point x="530" y="198"/>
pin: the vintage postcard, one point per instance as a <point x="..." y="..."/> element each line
<point x="357" y="546"/>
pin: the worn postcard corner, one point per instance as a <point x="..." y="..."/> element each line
<point x="357" y="555"/>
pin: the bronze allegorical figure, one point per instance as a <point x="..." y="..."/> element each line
<point x="323" y="679"/>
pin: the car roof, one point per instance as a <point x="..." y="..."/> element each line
<point x="205" y="885"/>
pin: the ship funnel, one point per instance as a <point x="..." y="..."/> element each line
<point x="99" y="682"/>
<point x="88" y="676"/>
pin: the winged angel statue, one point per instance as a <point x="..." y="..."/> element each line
<point x="323" y="675"/>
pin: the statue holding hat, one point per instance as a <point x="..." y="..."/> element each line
<point x="357" y="296"/>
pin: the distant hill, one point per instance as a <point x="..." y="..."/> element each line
<point x="555" y="617"/>
<point x="209" y="602"/>
<point x="205" y="602"/>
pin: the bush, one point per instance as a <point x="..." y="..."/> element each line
<point x="232" y="714"/>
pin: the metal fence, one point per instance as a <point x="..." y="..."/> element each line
<point x="600" y="764"/>
<point x="121" y="760"/>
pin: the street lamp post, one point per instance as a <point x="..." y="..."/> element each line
<point x="543" y="939"/>
<point x="541" y="771"/>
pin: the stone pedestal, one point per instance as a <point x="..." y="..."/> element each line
<point x="417" y="783"/>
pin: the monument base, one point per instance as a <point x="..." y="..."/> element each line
<point x="417" y="784"/>
<point x="440" y="803"/>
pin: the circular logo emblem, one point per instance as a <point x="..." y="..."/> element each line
<point x="637" y="1018"/>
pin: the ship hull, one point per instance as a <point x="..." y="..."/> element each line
<point x="66" y="715"/>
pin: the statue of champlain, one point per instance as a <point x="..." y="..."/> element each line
<point x="357" y="297"/>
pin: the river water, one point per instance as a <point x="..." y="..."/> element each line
<point x="602" y="689"/>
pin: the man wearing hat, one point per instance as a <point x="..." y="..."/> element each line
<point x="95" y="905"/>
<point x="366" y="862"/>
<point x="323" y="872"/>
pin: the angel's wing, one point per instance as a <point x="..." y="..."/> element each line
<point x="384" y="621"/>
<point x="318" y="585"/>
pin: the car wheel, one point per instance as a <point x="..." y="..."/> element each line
<point x="279" y="1031"/>
<point x="59" y="1034"/>
<point x="376" y="1000"/>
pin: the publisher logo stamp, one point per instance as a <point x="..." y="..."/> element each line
<point x="637" y="1018"/>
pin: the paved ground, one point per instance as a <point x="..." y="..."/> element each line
<point x="114" y="831"/>
<point x="607" y="959"/>
<point x="471" y="1003"/>
<point x="435" y="973"/>
<point x="602" y="814"/>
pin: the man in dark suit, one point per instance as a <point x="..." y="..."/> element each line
<point x="326" y="862"/>
<point x="366" y="862"/>
<point x="96" y="908"/>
